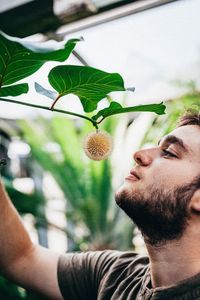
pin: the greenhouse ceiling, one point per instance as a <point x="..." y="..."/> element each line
<point x="30" y="17"/>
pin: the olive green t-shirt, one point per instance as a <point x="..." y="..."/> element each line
<point x="115" y="275"/>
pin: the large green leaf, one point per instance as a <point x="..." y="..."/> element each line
<point x="18" y="61"/>
<point x="14" y="90"/>
<point x="89" y="84"/>
<point x="116" y="108"/>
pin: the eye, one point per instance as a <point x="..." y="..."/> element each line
<point x="168" y="153"/>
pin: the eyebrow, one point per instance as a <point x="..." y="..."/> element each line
<point x="172" y="139"/>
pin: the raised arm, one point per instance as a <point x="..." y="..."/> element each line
<point x="29" y="265"/>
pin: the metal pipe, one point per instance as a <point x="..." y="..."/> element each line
<point x="112" y="15"/>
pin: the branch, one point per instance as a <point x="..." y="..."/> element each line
<point x="94" y="123"/>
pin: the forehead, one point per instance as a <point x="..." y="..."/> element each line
<point x="190" y="135"/>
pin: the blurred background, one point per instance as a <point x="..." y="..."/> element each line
<point x="66" y="200"/>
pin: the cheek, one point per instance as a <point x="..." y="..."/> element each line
<point x="171" y="173"/>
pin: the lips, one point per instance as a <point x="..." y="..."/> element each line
<point x="135" y="174"/>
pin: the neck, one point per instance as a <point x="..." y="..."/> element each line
<point x="176" y="260"/>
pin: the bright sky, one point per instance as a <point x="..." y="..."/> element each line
<point x="149" y="49"/>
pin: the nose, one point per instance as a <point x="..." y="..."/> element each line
<point x="143" y="157"/>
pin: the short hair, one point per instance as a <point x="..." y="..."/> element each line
<point x="191" y="117"/>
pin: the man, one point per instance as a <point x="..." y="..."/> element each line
<point x="162" y="196"/>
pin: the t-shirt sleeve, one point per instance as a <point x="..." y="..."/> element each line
<point x="80" y="274"/>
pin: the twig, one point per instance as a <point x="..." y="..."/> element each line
<point x="94" y="123"/>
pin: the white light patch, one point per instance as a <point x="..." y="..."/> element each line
<point x="18" y="148"/>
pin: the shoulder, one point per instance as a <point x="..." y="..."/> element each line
<point x="132" y="259"/>
<point x="95" y="271"/>
<point x="101" y="262"/>
<point x="128" y="261"/>
<point x="89" y="258"/>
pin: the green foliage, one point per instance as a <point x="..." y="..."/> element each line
<point x="10" y="291"/>
<point x="89" y="84"/>
<point x="87" y="185"/>
<point x="20" y="59"/>
<point x="14" y="90"/>
<point x="25" y="203"/>
<point x="116" y="108"/>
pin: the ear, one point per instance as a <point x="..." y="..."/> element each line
<point x="195" y="201"/>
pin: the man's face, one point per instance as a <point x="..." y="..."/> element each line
<point x="157" y="192"/>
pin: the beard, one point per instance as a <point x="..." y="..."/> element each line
<point x="160" y="215"/>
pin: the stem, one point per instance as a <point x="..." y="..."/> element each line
<point x="100" y="120"/>
<point x="94" y="123"/>
<point x="54" y="103"/>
